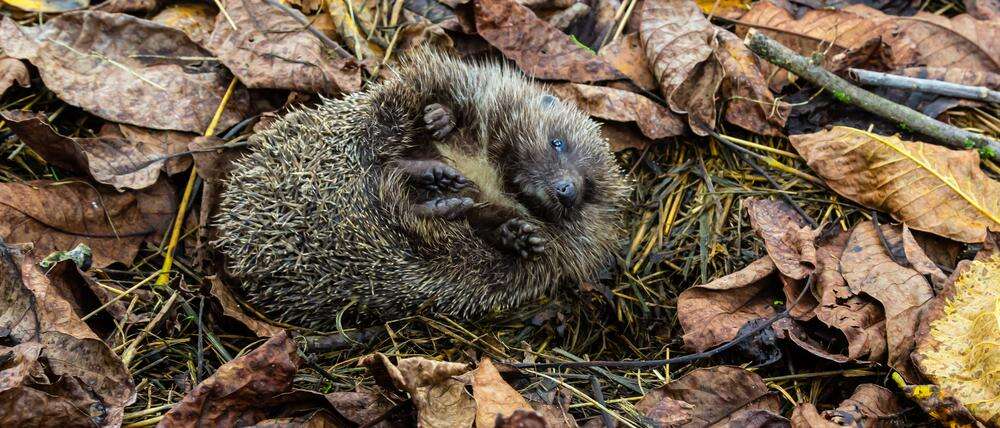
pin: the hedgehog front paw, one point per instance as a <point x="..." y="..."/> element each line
<point x="521" y="237"/>
<point x="446" y="208"/>
<point x="439" y="120"/>
<point x="434" y="175"/>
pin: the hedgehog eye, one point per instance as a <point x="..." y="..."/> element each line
<point x="557" y="144"/>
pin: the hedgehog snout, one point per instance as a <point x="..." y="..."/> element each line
<point x="565" y="191"/>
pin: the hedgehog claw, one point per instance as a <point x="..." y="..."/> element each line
<point x="519" y="236"/>
<point x="435" y="176"/>
<point x="438" y="120"/>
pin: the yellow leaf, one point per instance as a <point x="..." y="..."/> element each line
<point x="194" y="19"/>
<point x="731" y="9"/>
<point x="493" y="395"/>
<point x="48" y="6"/>
<point x="928" y="187"/>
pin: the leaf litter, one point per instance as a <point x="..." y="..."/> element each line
<point x="101" y="108"/>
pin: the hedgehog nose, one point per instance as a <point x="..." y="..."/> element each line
<point x="566" y="192"/>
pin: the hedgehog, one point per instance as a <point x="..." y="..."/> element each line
<point x="462" y="188"/>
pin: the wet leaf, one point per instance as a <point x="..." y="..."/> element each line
<point x="959" y="341"/>
<point x="194" y="19"/>
<point x="869" y="406"/>
<point x="846" y="37"/>
<point x="713" y="313"/>
<point x="48" y="6"/>
<point x="65" y="373"/>
<point x="607" y="103"/>
<point x="693" y="59"/>
<point x="434" y="386"/>
<point x="716" y="394"/>
<point x="931" y="40"/>
<point x="494" y="397"/>
<point x="269" y="49"/>
<point x="231" y="308"/>
<point x="110" y="158"/>
<point x="868" y="268"/>
<point x="59" y="215"/>
<point x="859" y="317"/>
<point x="928" y="187"/>
<point x="235" y="393"/>
<point x="12" y="71"/>
<point x="538" y="48"/>
<point x="625" y="54"/>
<point x="125" y="69"/>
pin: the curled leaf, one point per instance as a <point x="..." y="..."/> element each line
<point x="603" y="102"/>
<point x="12" y="71"/>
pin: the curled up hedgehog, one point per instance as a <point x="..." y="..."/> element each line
<point x="462" y="188"/>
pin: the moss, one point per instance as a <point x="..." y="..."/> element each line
<point x="968" y="143"/>
<point x="842" y="97"/>
<point x="987" y="152"/>
<point x="904" y="127"/>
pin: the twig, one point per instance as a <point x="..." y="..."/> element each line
<point x="907" y="118"/>
<point x="874" y="78"/>
<point x="595" y="386"/>
<point x="676" y="360"/>
<point x="130" y="350"/>
<point x="296" y="15"/>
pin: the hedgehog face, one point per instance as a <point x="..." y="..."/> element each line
<point x="555" y="166"/>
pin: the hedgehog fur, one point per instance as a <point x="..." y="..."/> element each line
<point x="319" y="215"/>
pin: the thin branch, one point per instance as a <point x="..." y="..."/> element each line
<point x="931" y="86"/>
<point x="907" y="118"/>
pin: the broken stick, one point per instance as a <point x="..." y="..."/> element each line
<point x="939" y="87"/>
<point x="845" y="92"/>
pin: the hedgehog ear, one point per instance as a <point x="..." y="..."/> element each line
<point x="548" y="100"/>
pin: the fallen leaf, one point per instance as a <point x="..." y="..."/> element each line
<point x="269" y="49"/>
<point x="538" y="48"/>
<point x="88" y="385"/>
<point x="125" y="69"/>
<point x="519" y="419"/>
<point x="859" y="317"/>
<point x="194" y="19"/>
<point x="351" y="24"/>
<point x="962" y="42"/>
<point x="128" y="6"/>
<point x="607" y="103"/>
<point x="494" y="397"/>
<point x="170" y="144"/>
<point x="943" y="407"/>
<point x="441" y="399"/>
<point x="48" y="6"/>
<point x="231" y="308"/>
<point x="12" y="70"/>
<point x="716" y="394"/>
<point x="233" y="394"/>
<point x="59" y="215"/>
<point x="758" y="419"/>
<point x="921" y="262"/>
<point x="868" y="268"/>
<point x="729" y="9"/>
<point x="626" y="55"/>
<point x="928" y="187"/>
<point x="799" y="335"/>
<point x="109" y="158"/>
<point x="693" y="59"/>
<point x="361" y="407"/>
<point x="847" y="37"/>
<point x="959" y="340"/>
<point x="622" y="137"/>
<point x="983" y="9"/>
<point x="666" y="412"/>
<point x="869" y="406"/>
<point x="789" y="240"/>
<point x="713" y="313"/>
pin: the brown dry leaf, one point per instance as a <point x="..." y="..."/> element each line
<point x="859" y="317"/>
<point x="194" y="19"/>
<point x="928" y="187"/>
<point x="713" y="313"/>
<point x="538" y="48"/>
<point x="88" y="385"/>
<point x="603" y="102"/>
<point x="758" y="419"/>
<point x="95" y="60"/>
<point x="352" y="25"/>
<point x="170" y="144"/>
<point x="626" y="54"/>
<point x="110" y="158"/>
<point x="270" y="49"/>
<point x="958" y="344"/>
<point x="128" y="6"/>
<point x="12" y="70"/>
<point x="231" y="308"/>
<point x="847" y="37"/>
<point x="692" y="59"/>
<point x="234" y="395"/>
<point x="520" y="419"/>
<point x="717" y="394"/>
<point x="868" y="268"/>
<point x="361" y="407"/>
<point x="437" y="388"/>
<point x="789" y="240"/>
<point x="921" y="262"/>
<point x="622" y="137"/>
<point x="931" y="40"/>
<point x="666" y="412"/>
<point x="59" y="215"/>
<point x="983" y="9"/>
<point x="870" y="406"/>
<point x="48" y="6"/>
<point x="494" y="397"/>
